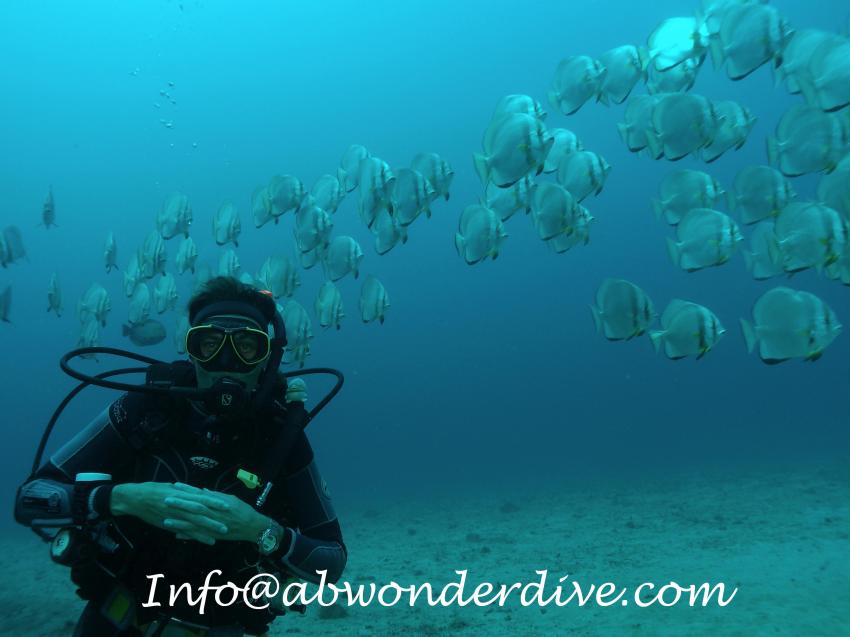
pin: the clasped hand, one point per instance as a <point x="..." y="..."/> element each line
<point x="197" y="514"/>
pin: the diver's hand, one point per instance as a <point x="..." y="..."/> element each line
<point x="155" y="503"/>
<point x="242" y="521"/>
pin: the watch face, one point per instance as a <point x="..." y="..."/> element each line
<point x="269" y="542"/>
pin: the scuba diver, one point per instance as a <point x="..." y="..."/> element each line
<point x="204" y="467"/>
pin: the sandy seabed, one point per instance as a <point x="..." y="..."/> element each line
<point x="781" y="537"/>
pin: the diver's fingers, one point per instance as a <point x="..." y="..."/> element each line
<point x="205" y="539"/>
<point x="194" y="525"/>
<point x="185" y="504"/>
<point x="216" y="502"/>
<point x="182" y="486"/>
<point x="197" y="505"/>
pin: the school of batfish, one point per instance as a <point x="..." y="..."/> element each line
<point x="549" y="175"/>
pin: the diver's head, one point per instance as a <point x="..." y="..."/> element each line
<point x="229" y="338"/>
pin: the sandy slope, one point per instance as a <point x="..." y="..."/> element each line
<point x="782" y="538"/>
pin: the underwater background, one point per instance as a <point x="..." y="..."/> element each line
<point x="485" y="380"/>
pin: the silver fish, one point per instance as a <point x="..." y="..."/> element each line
<point x="480" y="234"/>
<point x="279" y="276"/>
<point x="5" y="304"/>
<point x="790" y="324"/>
<point x="299" y="332"/>
<point x="175" y="216"/>
<point x="187" y="255"/>
<point x="808" y="140"/>
<point x="152" y="256"/>
<point x="228" y="264"/>
<point x="54" y="295"/>
<point x="411" y="196"/>
<point x="313" y="227"/>
<point x="687" y="329"/>
<point x="11" y="246"/>
<point x="328" y="306"/>
<point x="165" y="293"/>
<point x="676" y="40"/>
<point x="48" y="211"/>
<point x="110" y="253"/>
<point x="625" y="66"/>
<point x="827" y="82"/>
<point x="622" y="310"/>
<point x="518" y="148"/>
<point x="553" y="210"/>
<point x="637" y="126"/>
<point x="735" y="125"/>
<point x="261" y="207"/>
<point x="760" y="258"/>
<point x="677" y="79"/>
<point x="682" y="124"/>
<point x="132" y="275"/>
<point x="95" y="304"/>
<point x="583" y="173"/>
<point x="705" y="238"/>
<point x="564" y="143"/>
<point x="285" y="193"/>
<point x="759" y="192"/>
<point x="342" y="257"/>
<point x="327" y="193"/>
<point x="388" y="232"/>
<point x="374" y="300"/>
<point x="376" y="185"/>
<point x="506" y="201"/>
<point x="436" y="170"/>
<point x="683" y="190"/>
<point x="750" y="35"/>
<point x="577" y="79"/>
<point x="140" y="304"/>
<point x="226" y="225"/>
<point x="350" y="166"/>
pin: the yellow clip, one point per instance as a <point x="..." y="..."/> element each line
<point x="248" y="479"/>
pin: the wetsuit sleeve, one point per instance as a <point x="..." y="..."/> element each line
<point x="101" y="447"/>
<point x="316" y="543"/>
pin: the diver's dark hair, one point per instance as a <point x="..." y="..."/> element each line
<point x="227" y="288"/>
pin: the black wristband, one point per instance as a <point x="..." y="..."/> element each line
<point x="100" y="503"/>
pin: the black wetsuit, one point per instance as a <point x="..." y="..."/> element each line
<point x="194" y="450"/>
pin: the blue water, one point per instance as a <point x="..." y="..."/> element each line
<point x="481" y="375"/>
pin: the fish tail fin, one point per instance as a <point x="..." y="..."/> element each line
<point x="656" y="336"/>
<point x="718" y="55"/>
<point x="602" y="97"/>
<point x="750" y="336"/>
<point x="482" y="167"/>
<point x="808" y="89"/>
<point x="643" y="59"/>
<point x="772" y="151"/>
<point x="657" y="208"/>
<point x="554" y="98"/>
<point x="460" y="243"/>
<point x="778" y="72"/>
<point x="774" y="250"/>
<point x="623" y="131"/>
<point x="673" y="251"/>
<point x="654" y="144"/>
<point x="597" y="318"/>
<point x="748" y="261"/>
